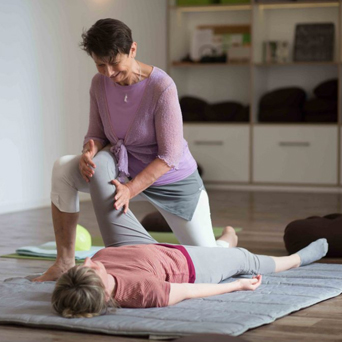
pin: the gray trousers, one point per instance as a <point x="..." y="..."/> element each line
<point x="212" y="265"/>
<point x="118" y="229"/>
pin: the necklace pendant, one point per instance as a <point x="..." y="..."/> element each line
<point x="126" y="98"/>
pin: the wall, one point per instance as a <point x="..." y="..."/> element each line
<point x="45" y="79"/>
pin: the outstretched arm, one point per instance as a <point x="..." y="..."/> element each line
<point x="180" y="292"/>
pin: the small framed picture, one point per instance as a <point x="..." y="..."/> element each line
<point x="314" y="42"/>
<point x="276" y="51"/>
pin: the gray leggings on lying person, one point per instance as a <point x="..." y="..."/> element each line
<point x="212" y="265"/>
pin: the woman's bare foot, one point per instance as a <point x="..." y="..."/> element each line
<point x="53" y="273"/>
<point x="229" y="235"/>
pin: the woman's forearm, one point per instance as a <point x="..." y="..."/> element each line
<point x="180" y="292"/>
<point x="206" y="290"/>
<point x="147" y="177"/>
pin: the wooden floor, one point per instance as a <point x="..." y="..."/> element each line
<point x="263" y="217"/>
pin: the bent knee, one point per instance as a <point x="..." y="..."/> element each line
<point x="64" y="166"/>
<point x="105" y="165"/>
<point x="64" y="183"/>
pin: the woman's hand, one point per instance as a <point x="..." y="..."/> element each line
<point x="86" y="162"/>
<point x="122" y="197"/>
<point x="250" y="284"/>
<point x="179" y="292"/>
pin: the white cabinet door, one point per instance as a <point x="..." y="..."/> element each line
<point x="302" y="154"/>
<point x="222" y="150"/>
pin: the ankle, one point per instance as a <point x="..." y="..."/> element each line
<point x="296" y="259"/>
<point x="64" y="264"/>
<point x="229" y="236"/>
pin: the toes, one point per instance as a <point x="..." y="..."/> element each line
<point x="230" y="229"/>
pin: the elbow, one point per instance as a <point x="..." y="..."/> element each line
<point x="153" y="178"/>
<point x="169" y="163"/>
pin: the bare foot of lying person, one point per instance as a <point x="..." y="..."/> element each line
<point x="54" y="272"/>
<point x="229" y="235"/>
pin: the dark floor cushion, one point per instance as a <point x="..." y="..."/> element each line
<point x="224" y="111"/>
<point x="320" y="110"/>
<point x="320" y="105"/>
<point x="327" y="90"/>
<point x="321" y="117"/>
<point x="155" y="222"/>
<point x="282" y="114"/>
<point x="243" y="114"/>
<point x="193" y="108"/>
<point x="283" y="97"/>
<point x="300" y="233"/>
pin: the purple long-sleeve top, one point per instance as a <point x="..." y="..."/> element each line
<point x="155" y="129"/>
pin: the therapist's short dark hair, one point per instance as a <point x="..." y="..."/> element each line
<point x="107" y="38"/>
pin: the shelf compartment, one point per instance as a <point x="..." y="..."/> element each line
<point x="281" y="26"/>
<point x="201" y="65"/>
<point x="222" y="150"/>
<point x="294" y="63"/>
<point x="301" y="4"/>
<point x="196" y="64"/>
<point x="212" y="8"/>
<point x="295" y="123"/>
<point x="263" y="5"/>
<point x="295" y="154"/>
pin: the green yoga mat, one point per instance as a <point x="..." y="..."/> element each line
<point x="162" y="237"/>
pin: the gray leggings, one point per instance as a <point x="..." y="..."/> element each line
<point x="118" y="229"/>
<point x="212" y="265"/>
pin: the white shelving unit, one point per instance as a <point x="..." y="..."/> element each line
<point x="253" y="153"/>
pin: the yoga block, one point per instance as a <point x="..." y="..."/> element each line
<point x="300" y="233"/>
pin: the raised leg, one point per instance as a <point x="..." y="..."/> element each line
<point x="117" y="228"/>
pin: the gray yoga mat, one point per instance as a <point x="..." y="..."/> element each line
<point x="25" y="303"/>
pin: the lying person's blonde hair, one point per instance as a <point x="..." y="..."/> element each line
<point x="80" y="292"/>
